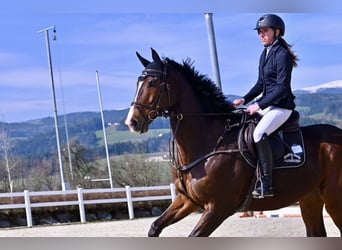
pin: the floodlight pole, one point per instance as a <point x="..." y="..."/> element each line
<point x="104" y="130"/>
<point x="46" y="31"/>
<point x="213" y="50"/>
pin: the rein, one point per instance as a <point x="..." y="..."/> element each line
<point x="155" y="112"/>
<point x="227" y="128"/>
<point x="205" y="157"/>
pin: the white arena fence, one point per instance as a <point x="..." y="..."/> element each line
<point x="27" y="205"/>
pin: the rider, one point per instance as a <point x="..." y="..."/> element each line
<point x="277" y="100"/>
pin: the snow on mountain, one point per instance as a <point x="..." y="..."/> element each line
<point x="329" y="87"/>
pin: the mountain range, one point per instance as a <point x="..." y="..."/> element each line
<point x="334" y="87"/>
<point x="318" y="104"/>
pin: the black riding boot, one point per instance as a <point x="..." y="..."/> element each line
<point x="265" y="160"/>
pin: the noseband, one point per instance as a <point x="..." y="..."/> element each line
<point x="153" y="108"/>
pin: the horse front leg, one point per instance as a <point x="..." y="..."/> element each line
<point x="178" y="209"/>
<point x="209" y="221"/>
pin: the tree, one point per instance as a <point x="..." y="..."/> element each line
<point x="136" y="170"/>
<point x="8" y="163"/>
<point x="44" y="177"/>
<point x="81" y="162"/>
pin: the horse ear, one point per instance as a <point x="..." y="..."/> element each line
<point x="156" y="58"/>
<point x="144" y="61"/>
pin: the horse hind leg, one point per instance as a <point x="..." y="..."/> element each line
<point x="335" y="214"/>
<point x="332" y="188"/>
<point x="178" y="209"/>
<point x="311" y="207"/>
<point x="330" y="160"/>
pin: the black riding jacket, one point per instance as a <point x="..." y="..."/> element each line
<point x="274" y="80"/>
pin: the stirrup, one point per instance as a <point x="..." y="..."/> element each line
<point x="260" y="193"/>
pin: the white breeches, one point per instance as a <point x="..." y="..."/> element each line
<point x="272" y="119"/>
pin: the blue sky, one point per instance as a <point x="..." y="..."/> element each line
<point x="104" y="36"/>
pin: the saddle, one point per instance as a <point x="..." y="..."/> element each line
<point x="286" y="142"/>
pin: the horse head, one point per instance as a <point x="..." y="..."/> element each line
<point x="151" y="98"/>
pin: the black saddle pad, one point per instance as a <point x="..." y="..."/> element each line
<point x="295" y="157"/>
<point x="287" y="148"/>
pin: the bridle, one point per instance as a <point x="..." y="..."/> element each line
<point x="154" y="108"/>
<point x="164" y="87"/>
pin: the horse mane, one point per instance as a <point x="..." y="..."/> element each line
<point x="212" y="98"/>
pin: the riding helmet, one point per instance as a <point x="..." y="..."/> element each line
<point x="271" y="20"/>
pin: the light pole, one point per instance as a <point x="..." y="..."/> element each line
<point x="46" y="31"/>
<point x="104" y="129"/>
<point x="213" y="50"/>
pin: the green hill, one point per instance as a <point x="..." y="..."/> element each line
<point x="36" y="138"/>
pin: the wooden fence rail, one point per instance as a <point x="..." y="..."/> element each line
<point x="81" y="202"/>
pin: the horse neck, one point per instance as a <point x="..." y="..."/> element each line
<point x="191" y="132"/>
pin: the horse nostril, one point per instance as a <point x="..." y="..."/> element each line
<point x="133" y="124"/>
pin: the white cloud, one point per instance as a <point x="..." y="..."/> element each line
<point x="8" y="59"/>
<point x="314" y="75"/>
<point x="107" y="42"/>
<point x="314" y="28"/>
<point x="24" y="78"/>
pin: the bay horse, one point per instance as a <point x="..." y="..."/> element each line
<point x="219" y="183"/>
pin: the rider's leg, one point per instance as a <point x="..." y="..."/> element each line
<point x="273" y="118"/>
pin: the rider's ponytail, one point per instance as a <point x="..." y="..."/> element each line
<point x="288" y="48"/>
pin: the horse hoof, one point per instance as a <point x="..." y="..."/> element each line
<point x="153" y="232"/>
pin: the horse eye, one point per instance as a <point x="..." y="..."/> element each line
<point x="141" y="78"/>
<point x="153" y="83"/>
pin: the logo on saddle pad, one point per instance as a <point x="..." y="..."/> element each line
<point x="286" y="143"/>
<point x="295" y="155"/>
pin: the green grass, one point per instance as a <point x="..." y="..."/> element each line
<point x="165" y="167"/>
<point x="303" y="109"/>
<point x="115" y="136"/>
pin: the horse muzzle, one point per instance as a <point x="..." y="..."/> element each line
<point x="137" y="124"/>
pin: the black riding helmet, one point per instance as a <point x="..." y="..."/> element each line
<point x="272" y="21"/>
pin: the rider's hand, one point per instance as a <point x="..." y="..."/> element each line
<point x="252" y="109"/>
<point x="238" y="102"/>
